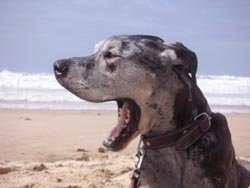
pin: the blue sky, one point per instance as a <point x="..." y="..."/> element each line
<point x="35" y="33"/>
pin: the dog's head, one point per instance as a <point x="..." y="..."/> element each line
<point x="138" y="72"/>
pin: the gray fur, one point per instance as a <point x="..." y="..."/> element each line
<point x="143" y="68"/>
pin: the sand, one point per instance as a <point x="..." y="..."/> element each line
<point x="61" y="149"/>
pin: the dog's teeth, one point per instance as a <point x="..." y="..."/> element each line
<point x="120" y="111"/>
<point x="128" y="112"/>
<point x="127" y="120"/>
<point x="127" y="117"/>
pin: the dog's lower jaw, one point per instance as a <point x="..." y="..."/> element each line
<point x="123" y="145"/>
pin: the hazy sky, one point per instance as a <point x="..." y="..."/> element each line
<point x="34" y="33"/>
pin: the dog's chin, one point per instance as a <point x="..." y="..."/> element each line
<point x="129" y="114"/>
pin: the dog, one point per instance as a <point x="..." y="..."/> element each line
<point x="183" y="144"/>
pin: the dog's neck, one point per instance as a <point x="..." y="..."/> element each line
<point x="181" y="113"/>
<point x="168" y="162"/>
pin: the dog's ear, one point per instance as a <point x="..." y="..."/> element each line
<point x="181" y="57"/>
<point x="183" y="61"/>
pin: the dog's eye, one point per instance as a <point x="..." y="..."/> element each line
<point x="109" y="55"/>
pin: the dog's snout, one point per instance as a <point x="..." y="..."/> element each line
<point x="61" y="67"/>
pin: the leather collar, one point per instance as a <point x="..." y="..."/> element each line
<point x="181" y="138"/>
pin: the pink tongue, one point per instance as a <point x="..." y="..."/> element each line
<point x="121" y="122"/>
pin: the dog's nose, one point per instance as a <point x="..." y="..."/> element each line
<point x="61" y="67"/>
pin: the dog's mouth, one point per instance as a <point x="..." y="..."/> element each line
<point x="128" y="121"/>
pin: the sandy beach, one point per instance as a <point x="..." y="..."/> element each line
<point x="63" y="149"/>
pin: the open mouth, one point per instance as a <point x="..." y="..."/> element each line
<point x="128" y="120"/>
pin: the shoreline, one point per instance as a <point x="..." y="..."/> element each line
<point x="109" y="106"/>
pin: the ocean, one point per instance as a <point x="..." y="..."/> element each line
<point x="226" y="94"/>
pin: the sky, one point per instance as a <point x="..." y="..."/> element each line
<point x="33" y="33"/>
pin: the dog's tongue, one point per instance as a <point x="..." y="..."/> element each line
<point x="121" y="121"/>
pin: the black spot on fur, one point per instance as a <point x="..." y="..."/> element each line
<point x="152" y="63"/>
<point x="111" y="67"/>
<point x="90" y="66"/>
<point x="124" y="45"/>
<point x="88" y="70"/>
<point x="153" y="45"/>
<point x="154" y="106"/>
<point x="160" y="112"/>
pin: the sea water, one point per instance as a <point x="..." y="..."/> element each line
<point x="42" y="91"/>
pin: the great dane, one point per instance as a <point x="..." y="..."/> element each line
<point x="183" y="144"/>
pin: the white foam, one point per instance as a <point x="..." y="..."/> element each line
<point x="28" y="80"/>
<point x="228" y="93"/>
